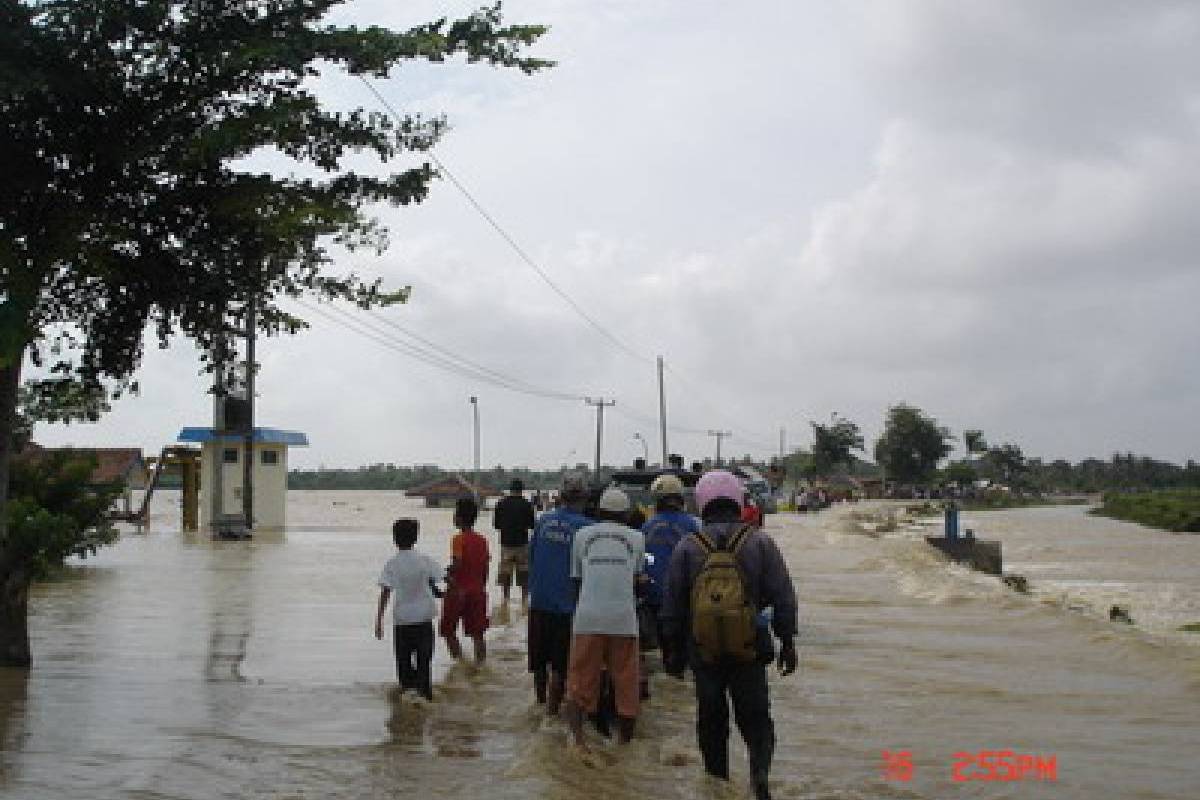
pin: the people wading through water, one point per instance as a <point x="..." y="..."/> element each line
<point x="719" y="583"/>
<point x="411" y="578"/>
<point x="514" y="518"/>
<point x="663" y="532"/>
<point x="551" y="594"/>
<point x="466" y="583"/>
<point x="607" y="560"/>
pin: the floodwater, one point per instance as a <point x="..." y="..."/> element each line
<point x="173" y="666"/>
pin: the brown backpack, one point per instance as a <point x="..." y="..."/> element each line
<point x="723" y="619"/>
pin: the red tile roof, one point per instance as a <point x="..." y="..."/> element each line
<point x="114" y="465"/>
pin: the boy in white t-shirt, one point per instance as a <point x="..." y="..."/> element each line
<point x="412" y="577"/>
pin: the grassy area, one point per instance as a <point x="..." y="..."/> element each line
<point x="1170" y="509"/>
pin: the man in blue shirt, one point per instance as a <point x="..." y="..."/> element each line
<point x="663" y="531"/>
<point x="551" y="592"/>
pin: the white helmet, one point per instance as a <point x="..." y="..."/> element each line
<point x="666" y="485"/>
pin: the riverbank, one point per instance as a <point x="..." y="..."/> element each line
<point x="1175" y="510"/>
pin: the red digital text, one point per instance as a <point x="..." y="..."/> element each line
<point x="983" y="765"/>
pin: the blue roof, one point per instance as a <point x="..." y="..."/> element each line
<point x="261" y="436"/>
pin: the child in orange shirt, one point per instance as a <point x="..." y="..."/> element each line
<point x="466" y="592"/>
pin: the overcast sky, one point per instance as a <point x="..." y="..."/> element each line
<point x="985" y="209"/>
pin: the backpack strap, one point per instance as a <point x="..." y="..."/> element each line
<point x="731" y="544"/>
<point x="738" y="539"/>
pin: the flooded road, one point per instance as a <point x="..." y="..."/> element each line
<point x="172" y="666"/>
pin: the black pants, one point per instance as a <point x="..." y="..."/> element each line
<point x="414" y="651"/>
<point x="746" y="685"/>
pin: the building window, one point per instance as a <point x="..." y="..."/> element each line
<point x="270" y="457"/>
<point x="230" y="455"/>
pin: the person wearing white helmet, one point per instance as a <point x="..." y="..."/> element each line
<point x="663" y="532"/>
<point x="719" y="583"/>
<point x="606" y="563"/>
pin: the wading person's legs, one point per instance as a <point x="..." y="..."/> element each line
<point x="424" y="654"/>
<point x="752" y="712"/>
<point x="452" y="609"/>
<point x="622" y="657"/>
<point x="712" y="719"/>
<point x="583" y="681"/>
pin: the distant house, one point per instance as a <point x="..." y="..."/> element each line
<point x="116" y="467"/>
<point x="448" y="489"/>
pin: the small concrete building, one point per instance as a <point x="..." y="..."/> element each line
<point x="221" y="465"/>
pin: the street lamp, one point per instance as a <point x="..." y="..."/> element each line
<point x="645" y="447"/>
<point x="475" y="416"/>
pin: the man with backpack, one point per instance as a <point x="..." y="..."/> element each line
<point x="720" y="584"/>
<point x="663" y="531"/>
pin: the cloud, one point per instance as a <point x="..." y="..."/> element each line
<point x="980" y="208"/>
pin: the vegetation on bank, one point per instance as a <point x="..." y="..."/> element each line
<point x="1175" y="510"/>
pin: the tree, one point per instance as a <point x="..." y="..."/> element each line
<point x="121" y="127"/>
<point x="833" y="443"/>
<point x="1006" y="462"/>
<point x="974" y="442"/>
<point x="912" y="445"/>
<point x="960" y="473"/>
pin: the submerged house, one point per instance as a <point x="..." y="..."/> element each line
<point x="122" y="468"/>
<point x="446" y="490"/>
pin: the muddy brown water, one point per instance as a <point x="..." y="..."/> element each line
<point x="173" y="666"/>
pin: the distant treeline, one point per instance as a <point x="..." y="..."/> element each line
<point x="1123" y="471"/>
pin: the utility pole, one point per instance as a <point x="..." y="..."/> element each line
<point x="475" y="415"/>
<point x="782" y="443"/>
<point x="248" y="462"/>
<point x="645" y="447"/>
<point x="719" y="436"/>
<point x="600" y="404"/>
<point x="662" y="412"/>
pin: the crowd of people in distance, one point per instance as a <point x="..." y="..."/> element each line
<point x="603" y="594"/>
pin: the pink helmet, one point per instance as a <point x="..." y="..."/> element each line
<point x="718" y="484"/>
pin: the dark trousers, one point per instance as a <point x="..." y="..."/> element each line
<point x="414" y="651"/>
<point x="746" y="685"/>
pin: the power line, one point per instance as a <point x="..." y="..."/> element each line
<point x="541" y="273"/>
<point x="512" y="242"/>
<point x="491" y="377"/>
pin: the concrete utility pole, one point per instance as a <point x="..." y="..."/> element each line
<point x="600" y="404"/>
<point x="662" y="411"/>
<point x="645" y="447"/>
<point x="719" y="436"/>
<point x="248" y="462"/>
<point x="475" y="415"/>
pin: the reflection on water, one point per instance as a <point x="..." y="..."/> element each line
<point x="172" y="666"/>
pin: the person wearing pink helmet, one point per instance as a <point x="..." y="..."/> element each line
<point x="753" y="560"/>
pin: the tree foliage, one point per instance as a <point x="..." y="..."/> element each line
<point x="126" y="200"/>
<point x="53" y="512"/>
<point x="833" y="443"/>
<point x="912" y="444"/>
<point x="1005" y="463"/>
<point x="974" y="442"/>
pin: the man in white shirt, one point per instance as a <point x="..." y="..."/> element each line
<point x="412" y="577"/>
<point x="606" y="561"/>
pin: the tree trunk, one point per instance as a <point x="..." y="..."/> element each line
<point x="14" y="618"/>
<point x="14" y="578"/>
